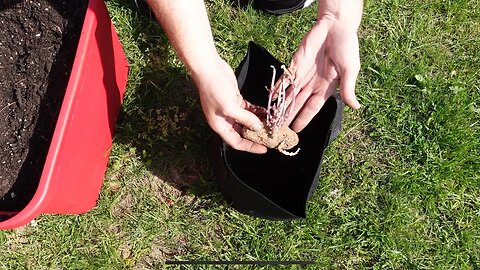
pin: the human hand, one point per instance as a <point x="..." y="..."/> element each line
<point x="327" y="57"/>
<point x="225" y="109"/>
<point x="188" y="28"/>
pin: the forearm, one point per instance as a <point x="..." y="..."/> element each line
<point x="346" y="12"/>
<point x="187" y="26"/>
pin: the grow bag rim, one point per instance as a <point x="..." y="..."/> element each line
<point x="42" y="195"/>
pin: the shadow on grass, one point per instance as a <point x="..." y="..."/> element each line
<point x="162" y="118"/>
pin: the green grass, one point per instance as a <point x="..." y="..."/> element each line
<point x="399" y="189"/>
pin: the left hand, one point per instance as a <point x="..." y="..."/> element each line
<point x="327" y="57"/>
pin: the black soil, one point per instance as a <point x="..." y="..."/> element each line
<point x="38" y="41"/>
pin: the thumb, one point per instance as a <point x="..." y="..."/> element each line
<point x="247" y="119"/>
<point x="347" y="87"/>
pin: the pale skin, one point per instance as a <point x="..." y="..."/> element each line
<point x="326" y="58"/>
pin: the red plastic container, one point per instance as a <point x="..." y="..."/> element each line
<point x="77" y="159"/>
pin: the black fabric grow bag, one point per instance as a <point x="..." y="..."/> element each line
<point x="272" y="185"/>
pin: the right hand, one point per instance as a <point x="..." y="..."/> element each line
<point x="225" y="109"/>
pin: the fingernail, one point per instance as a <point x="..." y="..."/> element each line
<point x="356" y="105"/>
<point x="256" y="127"/>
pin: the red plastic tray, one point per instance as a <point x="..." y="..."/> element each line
<point x="77" y="159"/>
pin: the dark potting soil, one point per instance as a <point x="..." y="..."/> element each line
<point x="38" y="41"/>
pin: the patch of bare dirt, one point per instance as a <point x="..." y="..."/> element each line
<point x="124" y="206"/>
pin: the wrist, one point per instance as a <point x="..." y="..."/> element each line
<point x="203" y="72"/>
<point x="345" y="14"/>
<point x="204" y="68"/>
<point x="200" y="63"/>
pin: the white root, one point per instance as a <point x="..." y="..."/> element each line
<point x="285" y="152"/>
<point x="290" y="154"/>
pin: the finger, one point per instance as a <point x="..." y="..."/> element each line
<point x="313" y="106"/>
<point x="319" y="86"/>
<point x="247" y="119"/>
<point x="259" y="111"/>
<point x="300" y="100"/>
<point x="348" y="71"/>
<point x="315" y="83"/>
<point x="347" y="87"/>
<point x="291" y="94"/>
<point x="304" y="72"/>
<point x="232" y="137"/>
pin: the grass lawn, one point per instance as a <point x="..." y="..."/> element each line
<point x="399" y="189"/>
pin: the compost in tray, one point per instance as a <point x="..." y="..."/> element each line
<point x="38" y="41"/>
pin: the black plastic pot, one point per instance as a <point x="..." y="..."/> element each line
<point x="272" y="185"/>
